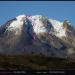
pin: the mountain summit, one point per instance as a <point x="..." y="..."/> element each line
<point x="37" y="35"/>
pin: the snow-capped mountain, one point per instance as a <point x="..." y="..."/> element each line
<point x="39" y="35"/>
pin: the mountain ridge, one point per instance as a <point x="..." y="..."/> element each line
<point x="37" y="34"/>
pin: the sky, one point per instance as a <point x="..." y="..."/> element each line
<point x="59" y="10"/>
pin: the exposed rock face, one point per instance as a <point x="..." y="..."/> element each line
<point x="37" y="34"/>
